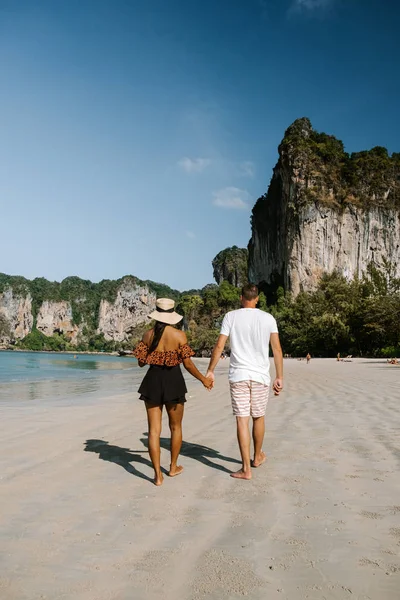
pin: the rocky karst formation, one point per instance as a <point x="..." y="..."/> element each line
<point x="231" y="265"/>
<point x="325" y="210"/>
<point x="56" y="317"/>
<point x="130" y="308"/>
<point x="75" y="308"/>
<point x="16" y="313"/>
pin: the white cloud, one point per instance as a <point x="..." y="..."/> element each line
<point x="194" y="165"/>
<point x="190" y="235"/>
<point x="309" y="5"/>
<point x="247" y="168"/>
<point x="232" y="198"/>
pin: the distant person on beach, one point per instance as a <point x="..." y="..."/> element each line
<point x="308" y="357"/>
<point x="250" y="331"/>
<point x="164" y="348"/>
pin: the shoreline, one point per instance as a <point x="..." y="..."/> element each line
<point x="62" y="352"/>
<point x="116" y="354"/>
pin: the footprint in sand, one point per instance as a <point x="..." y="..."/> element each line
<point x="394" y="510"/>
<point x="367" y="562"/>
<point x="296" y="542"/>
<point x="370" y="515"/>
<point x="395" y="531"/>
<point x="391" y="569"/>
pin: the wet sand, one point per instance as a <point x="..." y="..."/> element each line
<point x="81" y="520"/>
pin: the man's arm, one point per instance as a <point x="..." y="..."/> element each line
<point x="216" y="355"/>
<point x="278" y="360"/>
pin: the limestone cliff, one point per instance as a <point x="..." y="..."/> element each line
<point x="16" y="311"/>
<point x="325" y="210"/>
<point x="56" y="317"/>
<point x="231" y="265"/>
<point x="76" y="309"/>
<point x="118" y="319"/>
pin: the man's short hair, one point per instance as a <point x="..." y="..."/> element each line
<point x="249" y="291"/>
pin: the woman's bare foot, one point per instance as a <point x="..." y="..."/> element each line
<point x="174" y="471"/>
<point x="158" y="479"/>
<point x="259" y="460"/>
<point x="241" y="474"/>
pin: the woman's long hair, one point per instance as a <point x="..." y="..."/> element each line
<point x="158" y="333"/>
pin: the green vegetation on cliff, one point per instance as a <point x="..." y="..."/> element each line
<point x="326" y="173"/>
<point x="231" y="265"/>
<point x="36" y="340"/>
<point x="84" y="295"/>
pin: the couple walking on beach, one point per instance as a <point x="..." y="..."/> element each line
<point x="164" y="348"/>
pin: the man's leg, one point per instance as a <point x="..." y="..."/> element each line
<point x="243" y="436"/>
<point x="258" y="438"/>
<point x="259" y="400"/>
<point x="240" y="397"/>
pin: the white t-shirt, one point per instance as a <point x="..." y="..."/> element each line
<point x="249" y="330"/>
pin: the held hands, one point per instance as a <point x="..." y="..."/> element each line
<point x="277" y="386"/>
<point x="209" y="380"/>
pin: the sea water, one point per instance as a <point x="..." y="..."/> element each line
<point x="41" y="375"/>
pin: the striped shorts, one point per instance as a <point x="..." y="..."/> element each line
<point x="249" y="398"/>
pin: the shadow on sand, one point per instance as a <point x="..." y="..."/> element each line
<point x="120" y="456"/>
<point x="124" y="456"/>
<point x="203" y="454"/>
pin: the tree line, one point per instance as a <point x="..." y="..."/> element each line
<point x="359" y="317"/>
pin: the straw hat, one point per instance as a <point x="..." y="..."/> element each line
<point x="165" y="312"/>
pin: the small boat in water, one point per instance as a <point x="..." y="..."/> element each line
<point x="125" y="352"/>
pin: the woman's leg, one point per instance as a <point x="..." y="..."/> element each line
<point x="175" y="416"/>
<point x="154" y="418"/>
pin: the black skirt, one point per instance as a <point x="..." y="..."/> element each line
<point x="163" y="384"/>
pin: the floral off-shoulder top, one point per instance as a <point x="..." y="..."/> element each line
<point x="169" y="358"/>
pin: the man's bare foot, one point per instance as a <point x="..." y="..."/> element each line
<point x="241" y="474"/>
<point x="174" y="471"/>
<point x="257" y="462"/>
<point x="158" y="479"/>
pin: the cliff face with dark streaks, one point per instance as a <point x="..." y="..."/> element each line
<point x="76" y="309"/>
<point x="325" y="210"/>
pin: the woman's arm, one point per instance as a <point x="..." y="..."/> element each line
<point x="191" y="367"/>
<point x="193" y="370"/>
<point x="146" y="339"/>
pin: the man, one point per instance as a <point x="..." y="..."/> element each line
<point x="250" y="331"/>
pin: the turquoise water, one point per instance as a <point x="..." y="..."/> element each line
<point x="35" y="375"/>
<point x="35" y="366"/>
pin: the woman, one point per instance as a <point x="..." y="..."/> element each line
<point x="164" y="348"/>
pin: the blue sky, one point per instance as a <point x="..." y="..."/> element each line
<point x="137" y="134"/>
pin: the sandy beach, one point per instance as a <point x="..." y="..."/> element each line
<point x="81" y="520"/>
